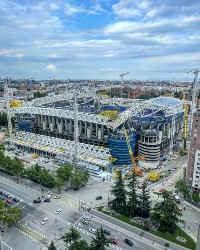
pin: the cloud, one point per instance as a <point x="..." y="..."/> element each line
<point x="51" y="67"/>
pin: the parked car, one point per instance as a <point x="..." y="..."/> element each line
<point x="99" y="198"/>
<point x="44" y="221"/>
<point x="47" y="200"/>
<point x="85" y="222"/>
<point x="37" y="201"/>
<point x="86" y="217"/>
<point x="91" y="230"/>
<point x="56" y="197"/>
<point x="114" y="241"/>
<point x="9" y="201"/>
<point x="106" y="232"/>
<point x="16" y="199"/>
<point x="129" y="242"/>
<point x="78" y="224"/>
<point x="57" y="211"/>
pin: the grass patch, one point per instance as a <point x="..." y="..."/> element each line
<point x="190" y="244"/>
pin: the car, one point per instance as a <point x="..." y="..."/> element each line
<point x="48" y="196"/>
<point x="83" y="202"/>
<point x="16" y="199"/>
<point x="91" y="230"/>
<point x="180" y="209"/>
<point x="171" y="183"/>
<point x="86" y="217"/>
<point x="99" y="198"/>
<point x="78" y="224"/>
<point x="3" y="193"/>
<point x="106" y="232"/>
<point x="49" y="192"/>
<point x="56" y="197"/>
<point x="44" y="221"/>
<point x="114" y="241"/>
<point x="178" y="177"/>
<point x="57" y="211"/>
<point x="85" y="222"/>
<point x="129" y="242"/>
<point x="161" y="190"/>
<point x="37" y="201"/>
<point x="76" y="188"/>
<point x="9" y="201"/>
<point x="47" y="200"/>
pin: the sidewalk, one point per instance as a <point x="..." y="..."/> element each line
<point x="192" y="206"/>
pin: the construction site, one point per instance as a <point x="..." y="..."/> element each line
<point x="98" y="132"/>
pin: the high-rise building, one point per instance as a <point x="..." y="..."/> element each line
<point x="193" y="168"/>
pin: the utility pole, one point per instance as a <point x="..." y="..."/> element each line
<point x="122" y="80"/>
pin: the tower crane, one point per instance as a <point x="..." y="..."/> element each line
<point x="7" y="98"/>
<point x="135" y="168"/>
<point x="122" y="79"/>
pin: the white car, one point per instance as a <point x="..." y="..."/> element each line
<point x="44" y="221"/>
<point x="58" y="211"/>
<point x="49" y="192"/>
<point x="86" y="218"/>
<point x="56" y="197"/>
<point x="78" y="224"/>
<point x="178" y="177"/>
<point x="91" y="230"/>
<point x="171" y="183"/>
<point x="83" y="202"/>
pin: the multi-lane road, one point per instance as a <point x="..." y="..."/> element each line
<point x="57" y="224"/>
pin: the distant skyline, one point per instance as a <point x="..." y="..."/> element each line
<point x="99" y="39"/>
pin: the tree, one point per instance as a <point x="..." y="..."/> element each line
<point x="9" y="215"/>
<point x="100" y="241"/>
<point x="183" y="188"/>
<point x="132" y="195"/>
<point x="52" y="246"/>
<point x="166" y="213"/>
<point x="79" y="245"/>
<point x="145" y="201"/>
<point x="195" y="197"/>
<point x="118" y="190"/>
<point x="71" y="237"/>
<point x="64" y="172"/>
<point x="58" y="183"/>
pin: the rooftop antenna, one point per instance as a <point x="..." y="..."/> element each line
<point x="122" y="80"/>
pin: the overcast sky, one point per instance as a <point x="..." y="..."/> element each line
<point x="99" y="39"/>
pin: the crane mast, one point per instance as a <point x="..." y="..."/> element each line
<point x="135" y="169"/>
<point x="122" y="80"/>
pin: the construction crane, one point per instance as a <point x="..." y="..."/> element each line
<point x="185" y="124"/>
<point x="7" y="98"/>
<point x="135" y="168"/>
<point x="122" y="79"/>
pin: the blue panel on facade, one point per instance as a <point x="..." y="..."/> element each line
<point x="119" y="149"/>
<point x="25" y="126"/>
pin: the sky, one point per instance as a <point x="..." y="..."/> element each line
<point x="99" y="39"/>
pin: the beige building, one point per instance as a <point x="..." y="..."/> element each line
<point x="193" y="168"/>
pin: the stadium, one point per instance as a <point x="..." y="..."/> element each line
<point x="46" y="126"/>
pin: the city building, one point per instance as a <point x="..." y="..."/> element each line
<point x="193" y="168"/>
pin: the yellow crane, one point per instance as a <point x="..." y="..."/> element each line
<point x="185" y="125"/>
<point x="135" y="168"/>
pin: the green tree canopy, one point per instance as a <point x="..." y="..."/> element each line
<point x="118" y="190"/>
<point x="70" y="237"/>
<point x="100" y="241"/>
<point x="132" y="196"/>
<point x="52" y="246"/>
<point x="183" y="188"/>
<point x="144" y="201"/>
<point x="166" y="213"/>
<point x="64" y="172"/>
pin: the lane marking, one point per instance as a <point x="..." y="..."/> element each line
<point x="6" y="245"/>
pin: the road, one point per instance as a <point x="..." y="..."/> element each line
<point x="60" y="223"/>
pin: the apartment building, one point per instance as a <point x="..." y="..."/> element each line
<point x="193" y="168"/>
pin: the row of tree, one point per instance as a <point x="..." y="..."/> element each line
<point x="130" y="203"/>
<point x="38" y="174"/>
<point x="56" y="179"/>
<point x="165" y="215"/>
<point x="185" y="190"/>
<point x="73" y="241"/>
<point x="9" y="215"/>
